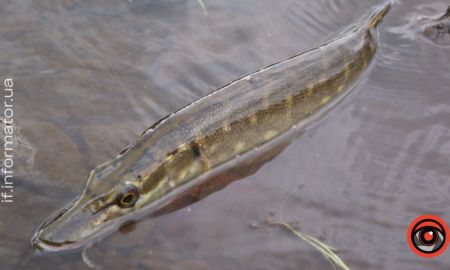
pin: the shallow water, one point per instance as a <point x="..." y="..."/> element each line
<point x="89" y="78"/>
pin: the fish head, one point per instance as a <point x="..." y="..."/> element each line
<point x="96" y="212"/>
<point x="113" y="192"/>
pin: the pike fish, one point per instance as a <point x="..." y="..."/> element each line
<point x="236" y="118"/>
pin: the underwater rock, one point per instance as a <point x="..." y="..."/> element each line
<point x="438" y="30"/>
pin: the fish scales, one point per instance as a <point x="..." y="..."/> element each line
<point x="305" y="93"/>
<point x="210" y="131"/>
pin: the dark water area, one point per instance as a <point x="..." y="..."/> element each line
<point x="90" y="76"/>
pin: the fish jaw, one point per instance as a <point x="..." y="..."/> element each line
<point x="75" y="226"/>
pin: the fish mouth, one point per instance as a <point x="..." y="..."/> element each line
<point x="72" y="227"/>
<point x="46" y="245"/>
<point x="41" y="244"/>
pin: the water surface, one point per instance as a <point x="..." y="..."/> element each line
<point x="89" y="77"/>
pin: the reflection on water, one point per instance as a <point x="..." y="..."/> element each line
<point x="91" y="76"/>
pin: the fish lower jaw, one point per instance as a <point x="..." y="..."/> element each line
<point x="45" y="245"/>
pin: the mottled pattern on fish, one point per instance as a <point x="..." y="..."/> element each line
<point x="216" y="128"/>
<point x="258" y="107"/>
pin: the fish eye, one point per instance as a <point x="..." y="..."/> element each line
<point x="128" y="196"/>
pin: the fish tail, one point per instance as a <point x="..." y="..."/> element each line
<point x="378" y="15"/>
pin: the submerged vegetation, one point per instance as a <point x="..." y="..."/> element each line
<point x="203" y="6"/>
<point x="326" y="250"/>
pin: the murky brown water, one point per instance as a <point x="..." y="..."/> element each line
<point x="89" y="78"/>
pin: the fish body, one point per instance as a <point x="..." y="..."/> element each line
<point x="210" y="131"/>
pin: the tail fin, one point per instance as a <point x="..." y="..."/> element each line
<point x="378" y="15"/>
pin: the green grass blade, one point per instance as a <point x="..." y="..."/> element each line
<point x="326" y="250"/>
<point x="203" y="6"/>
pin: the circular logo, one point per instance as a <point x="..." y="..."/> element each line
<point x="427" y="236"/>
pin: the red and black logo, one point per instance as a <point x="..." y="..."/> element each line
<point x="428" y="236"/>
